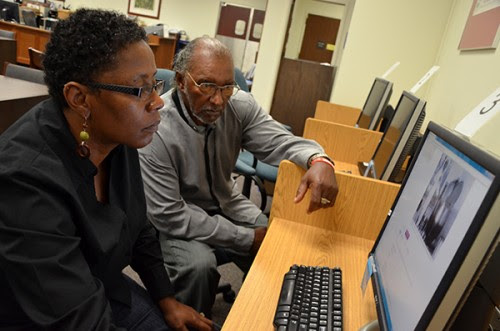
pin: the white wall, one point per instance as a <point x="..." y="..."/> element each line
<point x="271" y="45"/>
<point x="382" y="33"/>
<point x="464" y="80"/>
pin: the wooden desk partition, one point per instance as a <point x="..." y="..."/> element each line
<point x="26" y="37"/>
<point x="360" y="209"/>
<point x="339" y="236"/>
<point x="344" y="143"/>
<point x="332" y="112"/>
<point x="163" y="49"/>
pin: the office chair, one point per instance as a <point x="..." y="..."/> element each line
<point x="29" y="17"/>
<point x="8" y="34"/>
<point x="166" y="75"/>
<point x="24" y="73"/>
<point x="36" y="58"/>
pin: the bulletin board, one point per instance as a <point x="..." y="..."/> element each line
<point x="482" y="28"/>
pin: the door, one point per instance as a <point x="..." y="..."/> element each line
<point x="240" y="29"/>
<point x="319" y="38"/>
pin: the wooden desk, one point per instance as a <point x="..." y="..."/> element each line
<point x="288" y="243"/>
<point x="26" y="37"/>
<point x="338" y="236"/>
<point x="17" y="97"/>
<point x="163" y="49"/>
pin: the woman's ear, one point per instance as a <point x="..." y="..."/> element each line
<point x="76" y="96"/>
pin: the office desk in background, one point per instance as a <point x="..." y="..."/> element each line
<point x="339" y="236"/>
<point x="26" y="36"/>
<point x="17" y="97"/>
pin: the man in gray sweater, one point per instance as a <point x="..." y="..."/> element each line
<point x="199" y="214"/>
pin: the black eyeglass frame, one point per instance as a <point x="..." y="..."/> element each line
<point x="136" y="91"/>
<point x="234" y="87"/>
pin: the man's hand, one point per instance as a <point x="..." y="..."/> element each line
<point x="179" y="316"/>
<point x="320" y="178"/>
<point x="260" y="233"/>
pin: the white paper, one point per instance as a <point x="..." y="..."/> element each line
<point x="480" y="115"/>
<point x="391" y="69"/>
<point x="422" y="80"/>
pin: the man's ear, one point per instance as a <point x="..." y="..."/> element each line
<point x="76" y="96"/>
<point x="179" y="79"/>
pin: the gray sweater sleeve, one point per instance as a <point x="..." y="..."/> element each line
<point x="267" y="139"/>
<point x="173" y="216"/>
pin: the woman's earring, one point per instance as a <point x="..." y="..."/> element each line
<point x="83" y="149"/>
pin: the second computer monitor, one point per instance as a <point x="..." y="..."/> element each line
<point x="375" y="104"/>
<point x="9" y="11"/>
<point x="398" y="139"/>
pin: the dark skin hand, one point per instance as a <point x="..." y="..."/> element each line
<point x="320" y="178"/>
<point x="260" y="233"/>
<point x="179" y="316"/>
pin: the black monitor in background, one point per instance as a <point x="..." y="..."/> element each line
<point x="29" y="17"/>
<point x="375" y="104"/>
<point x="9" y="11"/>
<point x="156" y="30"/>
<point x="439" y="234"/>
<point x="397" y="140"/>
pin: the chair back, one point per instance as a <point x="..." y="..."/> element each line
<point x="29" y="17"/>
<point x="24" y="73"/>
<point x="168" y="76"/>
<point x="8" y="34"/>
<point x="239" y="78"/>
<point x="36" y="58"/>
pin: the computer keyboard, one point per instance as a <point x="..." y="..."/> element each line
<point x="310" y="299"/>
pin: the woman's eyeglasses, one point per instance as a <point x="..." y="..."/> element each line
<point x="143" y="92"/>
<point x="211" y="88"/>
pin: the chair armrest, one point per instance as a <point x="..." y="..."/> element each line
<point x="343" y="143"/>
<point x="360" y="209"/>
<point x="335" y="113"/>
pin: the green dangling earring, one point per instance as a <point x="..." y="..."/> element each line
<point x="83" y="149"/>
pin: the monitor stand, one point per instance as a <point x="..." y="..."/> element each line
<point x="372" y="326"/>
<point x="370" y="169"/>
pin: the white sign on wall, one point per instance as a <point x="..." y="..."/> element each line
<point x="480" y="115"/>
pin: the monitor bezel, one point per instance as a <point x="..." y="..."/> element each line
<point x="491" y="202"/>
<point x="410" y="128"/>
<point x="377" y="116"/>
<point x="14" y="7"/>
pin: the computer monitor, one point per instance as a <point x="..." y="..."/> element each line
<point x="439" y="234"/>
<point x="397" y="140"/>
<point x="29" y="17"/>
<point x="156" y="30"/>
<point x="375" y="104"/>
<point x="9" y="11"/>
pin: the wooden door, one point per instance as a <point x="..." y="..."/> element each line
<point x="319" y="38"/>
<point x="299" y="86"/>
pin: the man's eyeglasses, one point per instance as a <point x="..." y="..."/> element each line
<point x="142" y="92"/>
<point x="211" y="88"/>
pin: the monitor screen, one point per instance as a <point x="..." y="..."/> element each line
<point x="397" y="140"/>
<point x="437" y="215"/>
<point x="9" y="11"/>
<point x="375" y="104"/>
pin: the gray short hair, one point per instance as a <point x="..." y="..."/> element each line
<point x="183" y="59"/>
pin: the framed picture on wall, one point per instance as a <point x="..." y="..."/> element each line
<point x="146" y="8"/>
<point x="482" y="30"/>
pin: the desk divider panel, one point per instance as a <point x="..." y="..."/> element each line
<point x="343" y="143"/>
<point x="360" y="209"/>
<point x="332" y="112"/>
